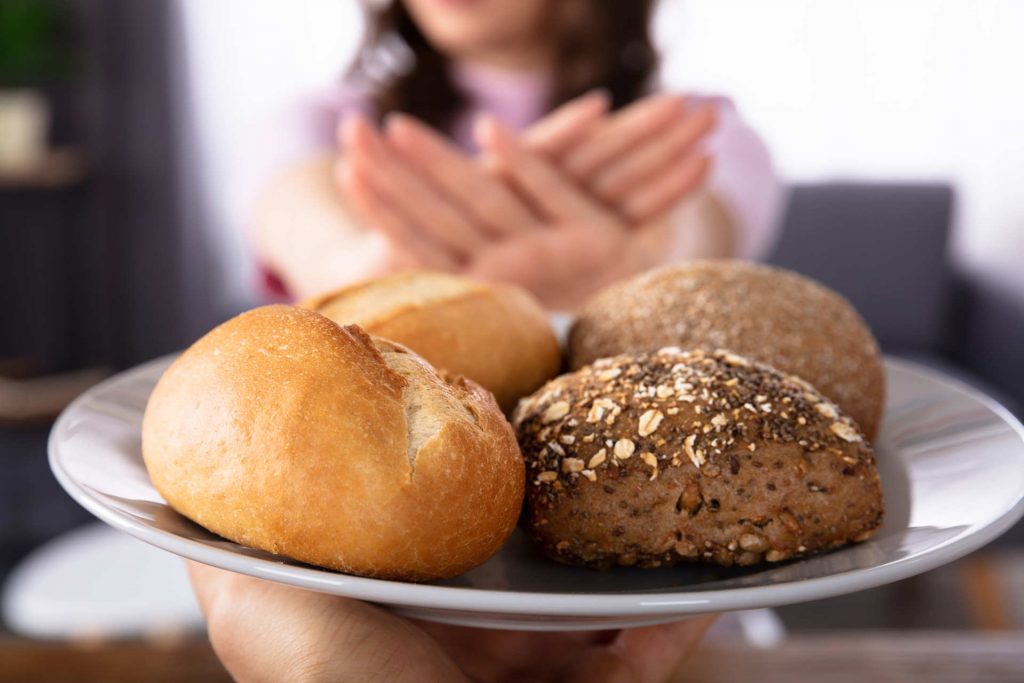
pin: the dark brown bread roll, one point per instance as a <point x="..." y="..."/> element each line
<point x="671" y="456"/>
<point x="768" y="314"/>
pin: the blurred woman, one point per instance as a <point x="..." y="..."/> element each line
<point x="516" y="140"/>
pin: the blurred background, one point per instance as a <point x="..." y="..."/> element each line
<point x="128" y="138"/>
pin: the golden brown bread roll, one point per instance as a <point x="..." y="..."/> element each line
<point x="670" y="456"/>
<point x="496" y="335"/>
<point x="768" y="314"/>
<point x="285" y="432"/>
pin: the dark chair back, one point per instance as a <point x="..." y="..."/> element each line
<point x="884" y="247"/>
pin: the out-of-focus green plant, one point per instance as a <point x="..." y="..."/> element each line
<point x="35" y="42"/>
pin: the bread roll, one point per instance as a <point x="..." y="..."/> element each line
<point x="282" y="431"/>
<point x="496" y="335"/>
<point x="775" y="316"/>
<point x="669" y="456"/>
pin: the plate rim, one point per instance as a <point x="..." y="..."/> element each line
<point x="538" y="604"/>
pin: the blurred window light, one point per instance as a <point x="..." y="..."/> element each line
<point x="243" y="63"/>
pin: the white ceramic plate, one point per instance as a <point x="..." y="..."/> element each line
<point x="951" y="462"/>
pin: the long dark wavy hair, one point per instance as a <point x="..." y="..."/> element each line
<point x="599" y="44"/>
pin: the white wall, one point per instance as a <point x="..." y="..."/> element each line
<point x="875" y="89"/>
<point x="244" y="61"/>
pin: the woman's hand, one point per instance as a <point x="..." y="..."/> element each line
<point x="395" y="199"/>
<point x="582" y="244"/>
<point x="641" y="161"/>
<point x="264" y="631"/>
<point x="585" y="200"/>
<point x="524" y="223"/>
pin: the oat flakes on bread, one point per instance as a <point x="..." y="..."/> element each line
<point x="656" y="458"/>
<point x="283" y="431"/>
<point x="768" y="314"/>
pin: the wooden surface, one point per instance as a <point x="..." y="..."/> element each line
<point x="123" y="662"/>
<point x="859" y="657"/>
<point x="839" y="657"/>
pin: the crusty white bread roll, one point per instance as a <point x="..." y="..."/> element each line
<point x="496" y="335"/>
<point x="283" y="431"/>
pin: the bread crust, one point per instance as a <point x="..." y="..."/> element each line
<point x="657" y="458"/>
<point x="497" y="335"/>
<point x="768" y="314"/>
<point x="283" y="431"/>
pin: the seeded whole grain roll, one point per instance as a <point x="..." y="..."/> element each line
<point x="656" y="458"/>
<point x="768" y="314"/>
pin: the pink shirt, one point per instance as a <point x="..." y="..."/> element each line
<point x="742" y="176"/>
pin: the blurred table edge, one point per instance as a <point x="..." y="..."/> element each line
<point x="849" y="656"/>
<point x="120" y="661"/>
<point x="836" y="656"/>
<point x="38" y="400"/>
